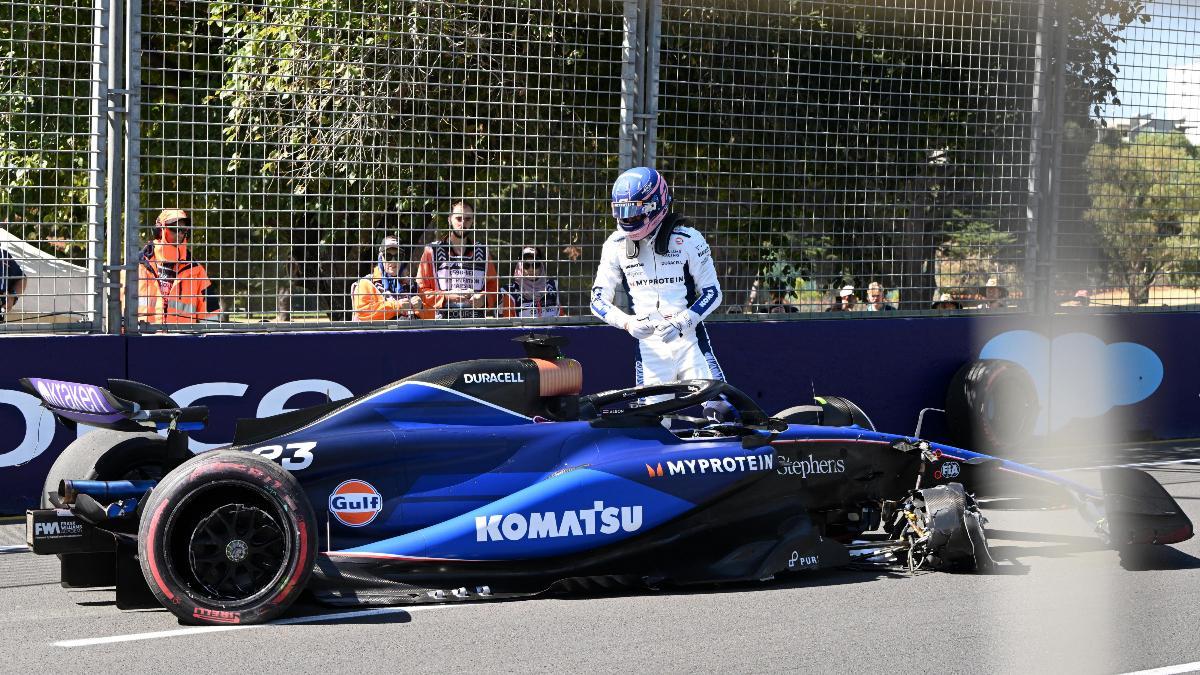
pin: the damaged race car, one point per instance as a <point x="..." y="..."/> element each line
<point x="495" y="478"/>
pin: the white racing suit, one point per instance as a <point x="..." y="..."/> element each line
<point x="662" y="286"/>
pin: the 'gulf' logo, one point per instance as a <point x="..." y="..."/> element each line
<point x="355" y="503"/>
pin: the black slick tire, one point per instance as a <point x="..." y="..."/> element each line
<point x="835" y="411"/>
<point x="104" y="454"/>
<point x="991" y="405"/>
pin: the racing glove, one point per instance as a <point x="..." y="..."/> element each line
<point x="673" y="327"/>
<point x="640" y="328"/>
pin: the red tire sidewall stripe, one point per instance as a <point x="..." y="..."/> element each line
<point x="152" y="552"/>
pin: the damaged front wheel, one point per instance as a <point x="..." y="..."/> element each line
<point x="944" y="529"/>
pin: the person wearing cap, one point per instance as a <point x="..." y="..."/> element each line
<point x="456" y="276"/>
<point x="877" y="299"/>
<point x="993" y="295"/>
<point x="386" y="293"/>
<point x="12" y="282"/>
<point x="172" y="287"/>
<point x="946" y="301"/>
<point x="848" y="299"/>
<point x="531" y="293"/>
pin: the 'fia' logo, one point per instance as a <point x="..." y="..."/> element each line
<point x="355" y="503"/>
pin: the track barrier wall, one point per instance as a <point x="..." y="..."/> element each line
<point x="892" y="367"/>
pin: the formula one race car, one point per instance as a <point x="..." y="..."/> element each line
<point x="495" y="478"/>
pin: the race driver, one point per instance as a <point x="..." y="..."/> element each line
<point x="666" y="267"/>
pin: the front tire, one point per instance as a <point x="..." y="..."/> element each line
<point x="227" y="538"/>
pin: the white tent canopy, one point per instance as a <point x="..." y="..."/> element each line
<point x="56" y="290"/>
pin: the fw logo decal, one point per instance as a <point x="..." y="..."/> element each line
<point x="654" y="471"/>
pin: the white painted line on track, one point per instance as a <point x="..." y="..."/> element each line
<point x="1127" y="466"/>
<point x="1170" y="670"/>
<point x="88" y="642"/>
<point x="200" y="630"/>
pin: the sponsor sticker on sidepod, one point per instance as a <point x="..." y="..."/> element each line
<point x="355" y="503"/>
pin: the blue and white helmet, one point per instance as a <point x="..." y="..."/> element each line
<point x="640" y="198"/>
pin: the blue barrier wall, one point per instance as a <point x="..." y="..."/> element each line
<point x="892" y="367"/>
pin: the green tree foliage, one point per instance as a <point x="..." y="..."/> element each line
<point x="1093" y="29"/>
<point x="388" y="116"/>
<point x="884" y="129"/>
<point x="1145" y="206"/>
<point x="970" y="253"/>
<point x="45" y="79"/>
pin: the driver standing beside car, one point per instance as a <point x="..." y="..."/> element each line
<point x="666" y="267"/>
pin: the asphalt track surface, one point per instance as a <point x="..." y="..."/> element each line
<point x="1060" y="603"/>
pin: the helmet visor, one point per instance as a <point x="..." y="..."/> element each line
<point x="628" y="210"/>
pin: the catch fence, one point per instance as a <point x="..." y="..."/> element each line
<point x="1003" y="155"/>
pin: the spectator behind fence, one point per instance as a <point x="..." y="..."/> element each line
<point x="531" y="293"/>
<point x="848" y="299"/>
<point x="12" y="282"/>
<point x="877" y="299"/>
<point x="388" y="292"/>
<point x="1081" y="299"/>
<point x="946" y="302"/>
<point x="456" y="276"/>
<point x="993" y="295"/>
<point x="172" y="287"/>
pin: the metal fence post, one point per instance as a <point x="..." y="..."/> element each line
<point x="1048" y="232"/>
<point x="116" y="104"/>
<point x="1038" y="168"/>
<point x="1046" y="178"/>
<point x="1046" y="158"/>
<point x="649" y="110"/>
<point x="98" y="159"/>
<point x="133" y="169"/>
<point x="631" y="56"/>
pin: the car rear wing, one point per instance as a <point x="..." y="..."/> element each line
<point x="138" y="408"/>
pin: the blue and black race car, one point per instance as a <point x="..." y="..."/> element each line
<point x="495" y="478"/>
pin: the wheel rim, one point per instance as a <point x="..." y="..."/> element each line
<point x="237" y="551"/>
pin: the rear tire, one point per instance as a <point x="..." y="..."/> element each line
<point x="104" y="454"/>
<point x="227" y="538"/>
<point x="836" y="411"/>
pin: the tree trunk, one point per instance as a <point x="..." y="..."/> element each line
<point x="916" y="281"/>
